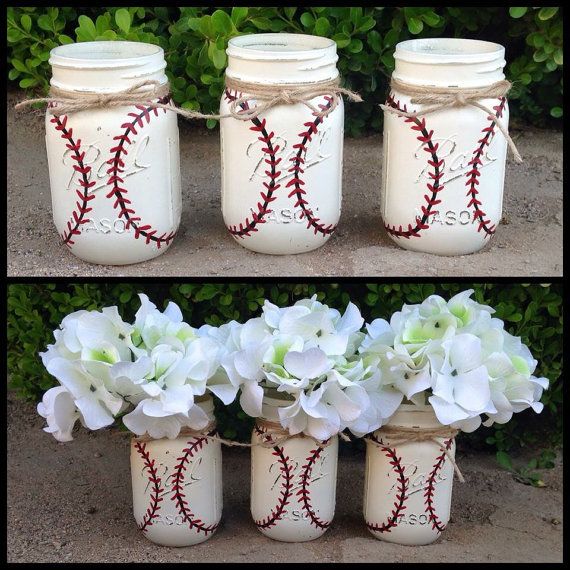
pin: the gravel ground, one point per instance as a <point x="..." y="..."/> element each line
<point x="528" y="242"/>
<point x="71" y="502"/>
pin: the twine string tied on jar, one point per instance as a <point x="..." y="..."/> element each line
<point x="438" y="98"/>
<point x="398" y="435"/>
<point x="150" y="92"/>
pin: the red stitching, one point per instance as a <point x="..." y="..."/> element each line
<point x="155" y="498"/>
<point x="475" y="172"/>
<point x="78" y="215"/>
<point x="117" y="167"/>
<point x="304" y="492"/>
<point x="401" y="495"/>
<point x="297" y="181"/>
<point x="248" y="226"/>
<point x="430" y="490"/>
<point x="178" y="495"/>
<point x="435" y="176"/>
<point x="286" y="487"/>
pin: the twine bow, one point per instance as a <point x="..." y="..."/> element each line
<point x="398" y="435"/>
<point x="63" y="101"/>
<point x="438" y="98"/>
<point x="269" y="96"/>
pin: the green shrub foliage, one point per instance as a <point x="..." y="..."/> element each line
<point x="194" y="41"/>
<point x="533" y="312"/>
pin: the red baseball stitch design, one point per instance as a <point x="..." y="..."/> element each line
<point x="304" y="493"/>
<point x="122" y="203"/>
<point x="434" y="186"/>
<point x="248" y="226"/>
<point x="475" y="172"/>
<point x="430" y="489"/>
<point x="402" y="489"/>
<point x="156" y="489"/>
<point x="296" y="182"/>
<point x="286" y="487"/>
<point x="78" y="216"/>
<point x="178" y="496"/>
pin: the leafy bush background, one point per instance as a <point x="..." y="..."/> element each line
<point x="194" y="40"/>
<point x="533" y="312"/>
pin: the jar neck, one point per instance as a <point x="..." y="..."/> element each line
<point x="281" y="59"/>
<point x="206" y="403"/>
<point x="272" y="401"/>
<point x="410" y="416"/>
<point x="449" y="62"/>
<point x="106" y="67"/>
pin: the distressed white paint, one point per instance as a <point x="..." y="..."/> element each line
<point x="151" y="165"/>
<point x="444" y="62"/>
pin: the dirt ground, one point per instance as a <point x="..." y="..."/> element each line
<point x="71" y="502"/>
<point x="527" y="243"/>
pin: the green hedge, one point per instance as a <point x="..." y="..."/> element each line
<point x="533" y="312"/>
<point x="194" y="40"/>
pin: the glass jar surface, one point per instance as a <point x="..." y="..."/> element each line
<point x="293" y="484"/>
<point x="114" y="171"/>
<point x="443" y="172"/>
<point x="408" y="486"/>
<point x="177" y="487"/>
<point x="282" y="171"/>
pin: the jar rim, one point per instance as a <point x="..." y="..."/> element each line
<point x="279" y="46"/>
<point x="448" y="50"/>
<point x="104" y="54"/>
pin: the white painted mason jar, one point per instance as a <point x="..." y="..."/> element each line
<point x="293" y="485"/>
<point x="177" y="487"/>
<point x="407" y="488"/>
<point x="282" y="171"/>
<point x="114" y="172"/>
<point x="443" y="173"/>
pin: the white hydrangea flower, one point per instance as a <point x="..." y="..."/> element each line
<point x="58" y="408"/>
<point x="91" y="389"/>
<point x="147" y="418"/>
<point x="152" y="326"/>
<point x="91" y="335"/>
<point x="455" y="356"/>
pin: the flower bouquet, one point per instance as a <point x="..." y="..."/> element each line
<point x="453" y="367"/>
<point x="156" y="376"/>
<point x="304" y="380"/>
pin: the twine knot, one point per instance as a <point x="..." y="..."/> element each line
<point x="268" y="96"/>
<point x="399" y="435"/>
<point x="438" y="98"/>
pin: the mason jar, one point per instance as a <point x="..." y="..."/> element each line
<point x="407" y="488"/>
<point x="443" y="173"/>
<point x="114" y="172"/>
<point x="177" y="486"/>
<point x="293" y="485"/>
<point x="282" y="171"/>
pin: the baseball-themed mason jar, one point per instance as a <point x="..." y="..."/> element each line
<point x="281" y="171"/>
<point x="293" y="484"/>
<point x="177" y="486"/>
<point x="114" y="171"/>
<point x="443" y="172"/>
<point x="407" y="488"/>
